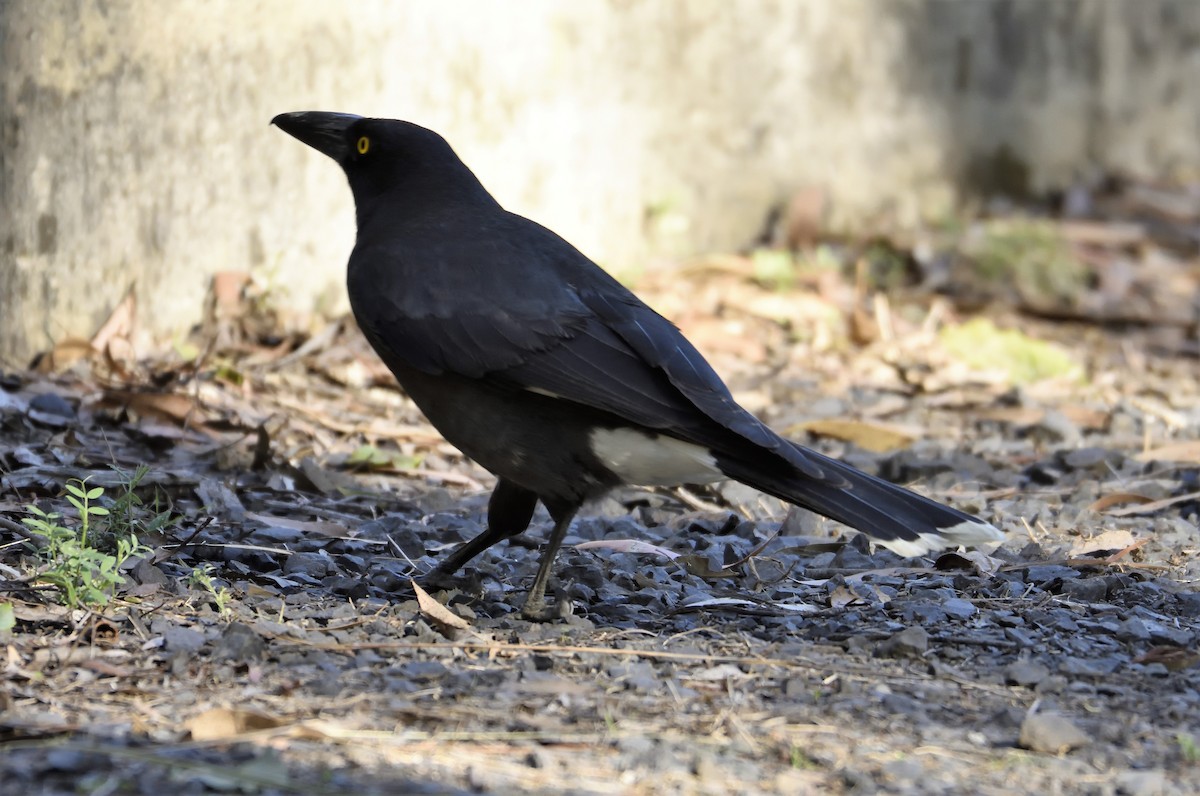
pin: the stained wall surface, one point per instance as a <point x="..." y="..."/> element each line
<point x="135" y="149"/>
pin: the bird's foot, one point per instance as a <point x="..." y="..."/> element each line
<point x="538" y="611"/>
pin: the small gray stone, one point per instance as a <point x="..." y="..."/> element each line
<point x="182" y="639"/>
<point x="1189" y="603"/>
<point x="1054" y="684"/>
<point x="1057" y="426"/>
<point x="959" y="608"/>
<point x="924" y="612"/>
<point x="904" y="770"/>
<point x="1051" y="733"/>
<point x="1044" y="573"/>
<point x="423" y="670"/>
<point x="1092" y="458"/>
<point x="860" y="645"/>
<point x="1087" y="590"/>
<point x="1025" y="672"/>
<point x="239" y="643"/>
<point x="314" y="565"/>
<point x="73" y="760"/>
<point x="51" y="409"/>
<point x="1141" y="783"/>
<point x="1133" y="630"/>
<point x="354" y="588"/>
<point x="908" y="643"/>
<point x="145" y="572"/>
<point x="1170" y="635"/>
<point x="277" y="536"/>
<point x="1088" y="667"/>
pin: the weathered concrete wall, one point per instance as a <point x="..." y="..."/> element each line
<point x="134" y="144"/>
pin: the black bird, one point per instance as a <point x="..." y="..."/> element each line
<point x="548" y="372"/>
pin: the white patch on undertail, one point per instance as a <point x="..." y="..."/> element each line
<point x="968" y="533"/>
<point x="649" y="459"/>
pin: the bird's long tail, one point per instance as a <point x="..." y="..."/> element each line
<point x="897" y="518"/>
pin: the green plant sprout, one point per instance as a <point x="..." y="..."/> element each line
<point x="201" y="577"/>
<point x="83" y="574"/>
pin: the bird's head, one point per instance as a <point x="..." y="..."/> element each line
<point x="383" y="157"/>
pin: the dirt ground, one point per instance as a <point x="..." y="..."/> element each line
<point x="270" y="639"/>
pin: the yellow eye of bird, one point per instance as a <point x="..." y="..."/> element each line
<point x="364" y="144"/>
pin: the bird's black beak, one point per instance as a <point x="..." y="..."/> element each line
<point x="324" y="132"/>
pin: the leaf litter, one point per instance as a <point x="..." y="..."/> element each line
<point x="720" y="641"/>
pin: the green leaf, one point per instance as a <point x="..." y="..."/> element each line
<point x="76" y="490"/>
<point x="363" y="454"/>
<point x="95" y="492"/>
<point x="1023" y="359"/>
<point x="8" y="619"/>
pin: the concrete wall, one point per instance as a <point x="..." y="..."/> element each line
<point x="134" y="144"/>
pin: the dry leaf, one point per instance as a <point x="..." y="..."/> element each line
<point x="1187" y="451"/>
<point x="1102" y="233"/>
<point x="868" y="435"/>
<point x="971" y="559"/>
<point x="722" y="671"/>
<point x="698" y="565"/>
<point x="64" y="354"/>
<point x="221" y="723"/>
<point x="105" y="668"/>
<point x="1013" y="415"/>
<point x="1153" y="506"/>
<point x="170" y="406"/>
<point x="757" y="607"/>
<point x="437" y="613"/>
<point x="1118" y="499"/>
<point x="1174" y="658"/>
<point x="843" y="596"/>
<point x="1087" y="419"/>
<point x="1103" y="542"/>
<point x="227" y="287"/>
<point x="323" y="527"/>
<point x="120" y="323"/>
<point x="627" y="546"/>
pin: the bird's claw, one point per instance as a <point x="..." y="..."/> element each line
<point x="539" y="611"/>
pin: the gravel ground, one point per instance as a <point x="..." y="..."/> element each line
<point x="717" y="641"/>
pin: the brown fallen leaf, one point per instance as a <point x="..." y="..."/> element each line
<point x="164" y="405"/>
<point x="868" y="435"/>
<point x="221" y="723"/>
<point x="323" y="527"/>
<point x="437" y="613"/>
<point x="1174" y="658"/>
<point x="843" y="596"/>
<point x="1086" y="418"/>
<point x="105" y="668"/>
<point x="1153" y="506"/>
<point x="971" y="560"/>
<point x="64" y="354"/>
<point x="226" y="293"/>
<point x="1187" y="451"/>
<point x="1102" y="542"/>
<point x="120" y="323"/>
<point x="1013" y="415"/>
<point x="1118" y="499"/>
<point x="1102" y="233"/>
<point x="627" y="546"/>
<point x="698" y="565"/>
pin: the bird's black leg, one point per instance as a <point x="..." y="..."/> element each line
<point x="535" y="608"/>
<point x="509" y="511"/>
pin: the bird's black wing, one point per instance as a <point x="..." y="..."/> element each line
<point x="573" y="332"/>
